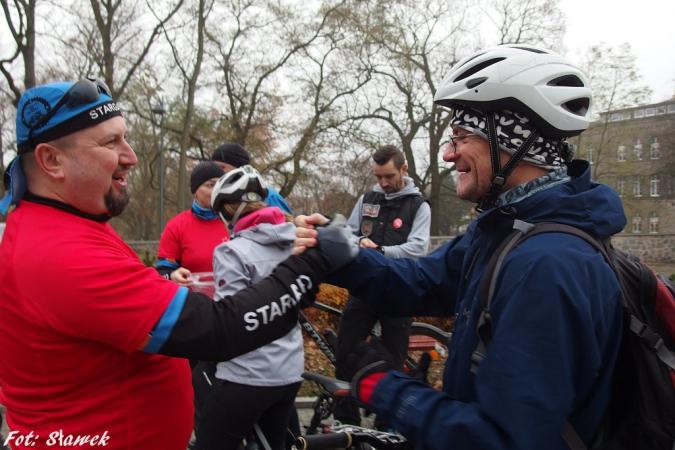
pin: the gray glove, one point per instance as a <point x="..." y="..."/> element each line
<point x="337" y="243"/>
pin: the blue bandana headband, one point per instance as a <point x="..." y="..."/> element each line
<point x="68" y="115"/>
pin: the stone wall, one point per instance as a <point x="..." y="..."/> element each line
<point x="654" y="248"/>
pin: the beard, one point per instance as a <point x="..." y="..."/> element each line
<point x="115" y="203"/>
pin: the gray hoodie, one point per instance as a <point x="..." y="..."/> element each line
<point x="248" y="257"/>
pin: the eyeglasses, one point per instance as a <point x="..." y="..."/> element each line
<point x="87" y="90"/>
<point x="459" y="137"/>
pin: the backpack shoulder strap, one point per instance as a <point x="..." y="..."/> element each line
<point x="521" y="231"/>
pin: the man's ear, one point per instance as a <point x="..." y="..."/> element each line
<point x="50" y="160"/>
<point x="404" y="169"/>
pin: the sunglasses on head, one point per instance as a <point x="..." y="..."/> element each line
<point x="85" y="91"/>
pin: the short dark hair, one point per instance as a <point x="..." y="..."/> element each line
<point x="389" y="152"/>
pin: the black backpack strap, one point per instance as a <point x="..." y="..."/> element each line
<point x="653" y="341"/>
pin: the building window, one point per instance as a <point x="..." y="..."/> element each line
<point x="621" y="153"/>
<point x="660" y="110"/>
<point x="621" y="186"/>
<point x="639" y="113"/>
<point x="654" y="187"/>
<point x="626" y="116"/>
<point x="589" y="155"/>
<point x="655" y="149"/>
<point x="637" y="188"/>
<point x="654" y="223"/>
<point x="637" y="149"/>
<point x="671" y="108"/>
<point x="650" y="112"/>
<point x="637" y="224"/>
<point x="615" y="117"/>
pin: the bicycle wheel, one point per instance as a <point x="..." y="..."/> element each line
<point x="427" y="353"/>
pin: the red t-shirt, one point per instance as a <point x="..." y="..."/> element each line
<point x="75" y="303"/>
<point x="191" y="241"/>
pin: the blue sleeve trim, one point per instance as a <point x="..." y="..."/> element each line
<point x="166" y="323"/>
<point x="163" y="262"/>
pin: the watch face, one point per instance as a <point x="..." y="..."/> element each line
<point x="366" y="228"/>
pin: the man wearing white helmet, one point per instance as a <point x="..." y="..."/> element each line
<point x="556" y="312"/>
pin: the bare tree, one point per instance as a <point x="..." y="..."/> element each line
<point x="410" y="47"/>
<point x="190" y="76"/>
<point x="326" y="78"/>
<point x="256" y="56"/>
<point x="535" y="22"/>
<point x="111" y="38"/>
<point x="20" y="18"/>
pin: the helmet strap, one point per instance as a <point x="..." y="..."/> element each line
<point x="233" y="222"/>
<point x="499" y="173"/>
<point x="225" y="221"/>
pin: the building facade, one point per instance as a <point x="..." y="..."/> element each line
<point x="633" y="150"/>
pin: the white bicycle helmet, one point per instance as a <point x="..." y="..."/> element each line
<point x="244" y="184"/>
<point x="541" y="85"/>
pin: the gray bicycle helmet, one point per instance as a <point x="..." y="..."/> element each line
<point x="541" y="85"/>
<point x="244" y="184"/>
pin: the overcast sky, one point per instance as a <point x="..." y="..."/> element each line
<point x="648" y="25"/>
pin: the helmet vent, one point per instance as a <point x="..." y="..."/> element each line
<point x="579" y="106"/>
<point x="478" y="68"/>
<point x="566" y="80"/>
<point x="475" y="82"/>
<point x="531" y="49"/>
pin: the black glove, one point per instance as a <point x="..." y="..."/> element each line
<point x="370" y="361"/>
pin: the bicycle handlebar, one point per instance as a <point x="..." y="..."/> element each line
<point x="324" y="441"/>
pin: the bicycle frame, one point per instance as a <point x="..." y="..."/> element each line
<point x="327" y="342"/>
<point x="321" y="342"/>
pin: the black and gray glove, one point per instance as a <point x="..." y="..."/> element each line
<point x="337" y="243"/>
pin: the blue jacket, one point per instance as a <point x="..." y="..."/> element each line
<point x="556" y="325"/>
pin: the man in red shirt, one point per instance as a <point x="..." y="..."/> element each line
<point x="87" y="330"/>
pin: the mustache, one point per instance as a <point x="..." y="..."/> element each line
<point x="124" y="168"/>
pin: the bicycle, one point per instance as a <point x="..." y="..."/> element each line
<point x="319" y="436"/>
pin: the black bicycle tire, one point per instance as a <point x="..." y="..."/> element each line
<point x="424" y="329"/>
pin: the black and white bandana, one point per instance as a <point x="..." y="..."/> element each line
<point x="512" y="130"/>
